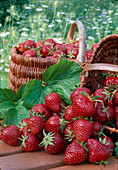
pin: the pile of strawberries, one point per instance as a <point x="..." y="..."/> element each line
<point x="50" y="49"/>
<point x="76" y="129"/>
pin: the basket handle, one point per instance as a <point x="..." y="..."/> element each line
<point x="100" y="66"/>
<point x="82" y="39"/>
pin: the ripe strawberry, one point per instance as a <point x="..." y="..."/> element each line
<point x="72" y="52"/>
<point x="30" y="142"/>
<point x="50" y="41"/>
<point x="69" y="133"/>
<point x="94" y="46"/>
<point x="110" y="83"/>
<point x="89" y="55"/>
<point x="69" y="45"/>
<point x="55" y="124"/>
<point x="46" y="50"/>
<point x="82" y="129"/>
<point x="53" y="143"/>
<point x="25" y="131"/>
<point x="39" y="44"/>
<point x="30" y="53"/>
<point x="107" y="141"/>
<point x="10" y="135"/>
<point x="115" y="98"/>
<point x="77" y="91"/>
<point x="97" y="128"/>
<point x="21" y="48"/>
<point x="69" y="114"/>
<point x="58" y="54"/>
<point x="41" y="109"/>
<point x="29" y="44"/>
<point x="116" y="115"/>
<point x="23" y="123"/>
<point x="35" y="124"/>
<point x="76" y="43"/>
<point x="83" y="106"/>
<point x="98" y="152"/>
<point x="53" y="101"/>
<point x="60" y="48"/>
<point x="107" y="73"/>
<point x="75" y="154"/>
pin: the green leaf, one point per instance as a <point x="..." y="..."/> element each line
<point x="35" y="93"/>
<point x="15" y="114"/>
<point x="21" y="91"/>
<point x="4" y="107"/>
<point x="6" y="95"/>
<point x="116" y="149"/>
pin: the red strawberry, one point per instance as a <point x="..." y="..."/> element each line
<point x="55" y="124"/>
<point x="69" y="114"/>
<point x="116" y="115"/>
<point x="89" y="55"/>
<point x="98" y="152"/>
<point x="69" y="45"/>
<point x="10" y="135"/>
<point x="94" y="46"/>
<point x="35" y="124"/>
<point x="60" y="48"/>
<point x="53" y="101"/>
<point x="110" y="83"/>
<point x="75" y="154"/>
<point x="53" y="143"/>
<point x="115" y="98"/>
<point x="29" y="44"/>
<point x="58" y="54"/>
<point x="39" y="44"/>
<point x="30" y="142"/>
<point x="97" y="128"/>
<point x="108" y="142"/>
<point x="50" y="41"/>
<point x="83" y="106"/>
<point x="46" y="50"/>
<point x="25" y="130"/>
<point x="77" y="91"/>
<point x="41" y="109"/>
<point x="72" y="52"/>
<point x="82" y="129"/>
<point x="21" y="48"/>
<point x="69" y="133"/>
<point x="23" y="123"/>
<point x="76" y="43"/>
<point x="30" y="53"/>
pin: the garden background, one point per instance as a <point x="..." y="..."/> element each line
<point x="37" y="20"/>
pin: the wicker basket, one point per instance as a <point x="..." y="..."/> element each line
<point x="24" y="69"/>
<point x="104" y="57"/>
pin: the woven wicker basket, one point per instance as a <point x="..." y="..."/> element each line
<point x="105" y="52"/>
<point x="24" y="69"/>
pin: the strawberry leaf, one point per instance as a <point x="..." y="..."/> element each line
<point x="6" y="95"/>
<point x="15" y="114"/>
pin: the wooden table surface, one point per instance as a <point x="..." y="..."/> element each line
<point x="13" y="158"/>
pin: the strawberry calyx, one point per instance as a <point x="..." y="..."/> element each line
<point x="104" y="140"/>
<point x="83" y="144"/>
<point x="82" y="117"/>
<point x="101" y="163"/>
<point x="23" y="139"/>
<point x="47" y="140"/>
<point x="22" y="125"/>
<point x="70" y="136"/>
<point x="63" y="123"/>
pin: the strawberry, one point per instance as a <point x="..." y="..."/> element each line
<point x="52" y="143"/>
<point x="69" y="114"/>
<point x="69" y="45"/>
<point x="77" y="91"/>
<point x="30" y="142"/>
<point x="97" y="128"/>
<point x="35" y="124"/>
<point x="46" y="50"/>
<point x="55" y="124"/>
<point x="53" y="101"/>
<point x="21" y="48"/>
<point x="41" y="109"/>
<point x="82" y="129"/>
<point x="39" y="44"/>
<point x="115" y="98"/>
<point x="94" y="46"/>
<point x="25" y="130"/>
<point x="83" y="106"/>
<point x="30" y="53"/>
<point x="72" y="52"/>
<point x="98" y="152"/>
<point x="108" y="142"/>
<point x="89" y="55"/>
<point x="75" y="154"/>
<point x="50" y="41"/>
<point x="23" y="123"/>
<point x="68" y="132"/>
<point x="116" y="115"/>
<point x="110" y="83"/>
<point x="60" y="48"/>
<point x="76" y="43"/>
<point x="29" y="44"/>
<point x="58" y="54"/>
<point x="10" y="135"/>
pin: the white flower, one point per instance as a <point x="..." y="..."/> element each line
<point x="47" y="20"/>
<point x="39" y="9"/>
<point x="1" y="68"/>
<point x="4" y="34"/>
<point x="7" y="69"/>
<point x="116" y="14"/>
<point x="94" y="28"/>
<point x="25" y="29"/>
<point x="41" y="29"/>
<point x="1" y="61"/>
<point x="44" y="6"/>
<point x="58" y="20"/>
<point x="27" y="7"/>
<point x="51" y="25"/>
<point x="24" y="34"/>
<point x="91" y="38"/>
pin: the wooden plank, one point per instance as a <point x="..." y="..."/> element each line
<point x="35" y="160"/>
<point x="112" y="165"/>
<point x="6" y="149"/>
